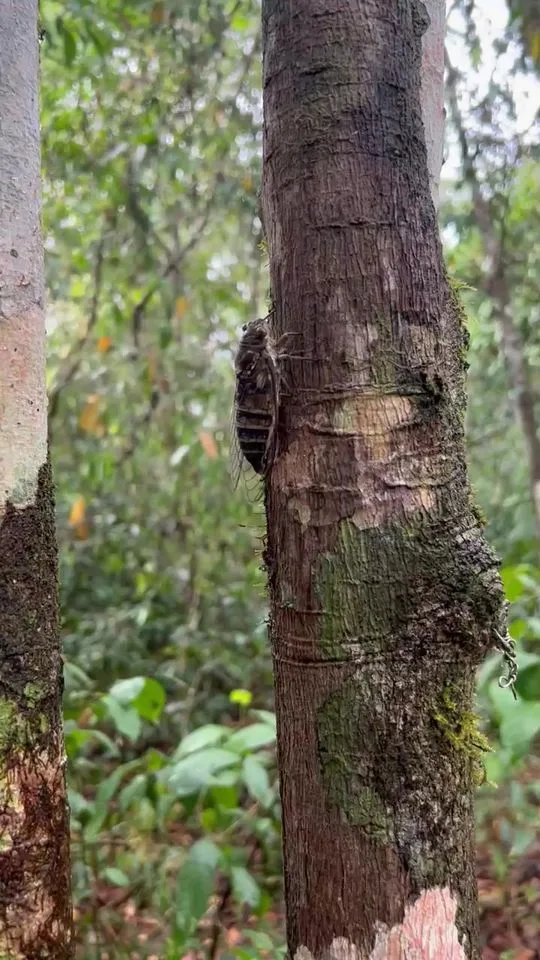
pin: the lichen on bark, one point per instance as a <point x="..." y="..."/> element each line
<point x="462" y="730"/>
<point x="379" y="581"/>
<point x="349" y="783"/>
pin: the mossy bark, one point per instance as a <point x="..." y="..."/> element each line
<point x="384" y="595"/>
<point x="35" y="910"/>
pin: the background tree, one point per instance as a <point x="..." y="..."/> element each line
<point x="384" y="596"/>
<point x="495" y="151"/>
<point x="35" y="911"/>
<point x="168" y="702"/>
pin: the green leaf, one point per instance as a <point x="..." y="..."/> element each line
<point x="74" y="676"/>
<point x="155" y="760"/>
<point x="127" y="721"/>
<point x="518" y="628"/>
<point x="116" y="876"/>
<point x="260" y="939"/>
<point x="501" y="700"/>
<point x="143" y="694"/>
<point x="252" y="738"/>
<point x="205" y="736"/>
<point x="528" y="681"/>
<point x="240" y="22"/>
<point x="133" y="791"/>
<point x="104" y="795"/>
<point x="165" y="337"/>
<point x="77" y="738"/>
<point x="494" y="767"/>
<point x="126" y="691"/>
<point x="77" y="803"/>
<point x="98" y="39"/>
<point x="206" y="852"/>
<point x="256" y="780"/>
<point x="226" y="778"/>
<point x="267" y="717"/>
<point x="194" y="886"/>
<point x="208" y="819"/>
<point x="70" y="46"/>
<point x="224" y="797"/>
<point x="533" y="627"/>
<point x="512" y="578"/>
<point x="523" y="839"/>
<point x="242" y="697"/>
<point x="487" y="669"/>
<point x="245" y="887"/>
<point x="151" y="700"/>
<point x="520" y="727"/>
<point x="196" y="771"/>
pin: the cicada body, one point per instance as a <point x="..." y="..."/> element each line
<point x="256" y="400"/>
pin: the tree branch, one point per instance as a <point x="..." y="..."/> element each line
<point x="170" y="267"/>
<point x="74" y="358"/>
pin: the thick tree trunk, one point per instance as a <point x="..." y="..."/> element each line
<point x="384" y="596"/>
<point x="35" y="914"/>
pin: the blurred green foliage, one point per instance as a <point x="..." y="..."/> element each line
<point x="497" y="453"/>
<point x="151" y="119"/>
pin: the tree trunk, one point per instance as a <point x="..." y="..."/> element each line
<point x="496" y="287"/>
<point x="384" y="595"/>
<point x="524" y="399"/>
<point x="432" y="92"/>
<point x="35" y="913"/>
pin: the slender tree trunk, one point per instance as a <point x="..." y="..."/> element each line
<point x="384" y="595"/>
<point x="35" y="913"/>
<point x="520" y="382"/>
<point x="432" y="91"/>
<point x="496" y="287"/>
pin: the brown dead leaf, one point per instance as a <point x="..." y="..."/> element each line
<point x="208" y="444"/>
<point x="77" y="514"/>
<point x="233" y="936"/>
<point x="90" y="419"/>
<point x="82" y="531"/>
<point x="180" y="307"/>
<point x="85" y="717"/>
<point x="157" y="13"/>
<point x="490" y="895"/>
<point x="77" y="519"/>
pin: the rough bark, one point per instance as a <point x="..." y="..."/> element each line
<point x="384" y="595"/>
<point x="35" y="913"/>
<point x="497" y="287"/>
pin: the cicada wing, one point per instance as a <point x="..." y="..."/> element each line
<point x="239" y="468"/>
<point x="271" y="442"/>
<point x="236" y="460"/>
<point x="253" y="485"/>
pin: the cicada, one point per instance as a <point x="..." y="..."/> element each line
<point x="256" y="400"/>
